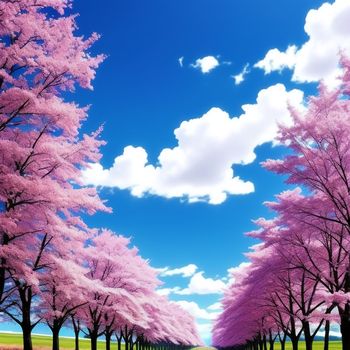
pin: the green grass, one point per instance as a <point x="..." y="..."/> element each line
<point x="39" y="341"/>
<point x="44" y="342"/>
<point x="318" y="345"/>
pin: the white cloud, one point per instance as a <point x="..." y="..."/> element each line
<point x="203" y="317"/>
<point x="239" y="78"/>
<point x="185" y="271"/>
<point x="200" y="167"/>
<point x="204" y="330"/>
<point x="201" y="285"/>
<point x="206" y="64"/>
<point x="275" y="60"/>
<point x="317" y="59"/>
<point x="215" y="307"/>
<point x="167" y="291"/>
<point x="197" y="312"/>
<point x="181" y="61"/>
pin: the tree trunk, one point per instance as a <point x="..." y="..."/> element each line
<point x="108" y="340"/>
<point x="93" y="340"/>
<point x="26" y="324"/>
<point x="326" y="335"/>
<point x="55" y="338"/>
<point x="282" y="340"/>
<point x="271" y="341"/>
<point x="5" y="240"/>
<point x="27" y="338"/>
<point x="295" y="342"/>
<point x="345" y="328"/>
<point x="76" y="327"/>
<point x="119" y="343"/>
<point x="307" y="335"/>
<point x="265" y="343"/>
<point x="345" y="315"/>
<point x="126" y="346"/>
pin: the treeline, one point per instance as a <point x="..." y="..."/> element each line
<point x="54" y="268"/>
<point x="297" y="284"/>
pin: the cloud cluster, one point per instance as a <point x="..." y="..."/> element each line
<point x="198" y="285"/>
<point x="194" y="309"/>
<point x="185" y="271"/>
<point x="276" y="60"/>
<point x="214" y="307"/>
<point x="167" y="291"/>
<point x="240" y="77"/>
<point x="201" y="285"/>
<point x="200" y="167"/>
<point x="206" y="64"/>
<point x="317" y="59"/>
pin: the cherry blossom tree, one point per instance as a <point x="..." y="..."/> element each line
<point x="126" y="280"/>
<point x="309" y="237"/>
<point x="42" y="153"/>
<point x="320" y="162"/>
<point x="43" y="201"/>
<point x="64" y="291"/>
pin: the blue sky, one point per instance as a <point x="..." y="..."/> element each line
<point x="181" y="209"/>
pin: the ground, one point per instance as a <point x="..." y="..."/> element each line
<point x="14" y="342"/>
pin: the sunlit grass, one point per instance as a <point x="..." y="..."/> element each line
<point x="9" y="340"/>
<point x="14" y="341"/>
<point x="318" y="345"/>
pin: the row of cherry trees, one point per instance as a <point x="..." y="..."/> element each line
<point x="53" y="267"/>
<point x="298" y="279"/>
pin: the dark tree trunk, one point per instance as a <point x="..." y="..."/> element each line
<point x="307" y="335"/>
<point x="76" y="327"/>
<point x="271" y="340"/>
<point x="326" y="335"/>
<point x="27" y="338"/>
<point x="345" y="315"/>
<point x="55" y="338"/>
<point x="108" y="340"/>
<point x="295" y="342"/>
<point x="126" y="339"/>
<point x="26" y="324"/>
<point x="119" y="341"/>
<point x="5" y="240"/>
<point x="93" y="340"/>
<point x="282" y="340"/>
<point x="345" y="328"/>
<point x="265" y="342"/>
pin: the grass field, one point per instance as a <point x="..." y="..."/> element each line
<point x="318" y="345"/>
<point x="9" y="341"/>
<point x="14" y="341"/>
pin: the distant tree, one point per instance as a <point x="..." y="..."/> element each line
<point x="124" y="281"/>
<point x="62" y="293"/>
